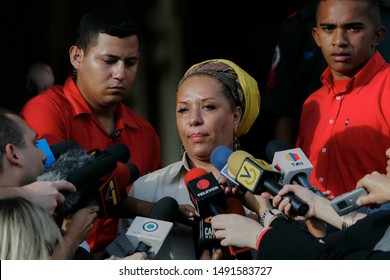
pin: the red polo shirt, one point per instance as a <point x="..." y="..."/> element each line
<point x="61" y="113"/>
<point x="344" y="127"/>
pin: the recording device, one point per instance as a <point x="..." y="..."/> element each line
<point x="210" y="200"/>
<point x="204" y="237"/>
<point x="62" y="147"/>
<point x="258" y="176"/>
<point x="53" y="152"/>
<point x="92" y="174"/>
<point x="166" y="209"/>
<point x="346" y="202"/>
<point x="148" y="234"/>
<point x="113" y="190"/>
<point x="292" y="164"/>
<point x="205" y="192"/>
<point x="219" y="158"/>
<point x="119" y="151"/>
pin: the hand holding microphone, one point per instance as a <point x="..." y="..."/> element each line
<point x="99" y="176"/>
<point x="258" y="176"/>
<point x="236" y="230"/>
<point x="292" y="163"/>
<point x="210" y="200"/>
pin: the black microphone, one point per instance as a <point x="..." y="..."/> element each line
<point x="53" y="152"/>
<point x="112" y="191"/>
<point x="119" y="151"/>
<point x="205" y="192"/>
<point x="204" y="237"/>
<point x="257" y="176"/>
<point x="292" y="163"/>
<point x="62" y="147"/>
<point x="86" y="171"/>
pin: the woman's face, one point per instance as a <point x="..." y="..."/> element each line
<point x="204" y="116"/>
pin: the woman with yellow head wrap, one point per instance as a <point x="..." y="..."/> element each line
<point x="216" y="101"/>
<point x="241" y="85"/>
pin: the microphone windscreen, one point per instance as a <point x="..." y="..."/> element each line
<point x="193" y="174"/>
<point x="219" y="157"/>
<point x="119" y="151"/>
<point x="122" y="174"/>
<point x="166" y="209"/>
<point x="69" y="162"/>
<point x="93" y="172"/>
<point x="235" y="161"/>
<point x="274" y="146"/>
<point x="62" y="147"/>
<point x="134" y="172"/>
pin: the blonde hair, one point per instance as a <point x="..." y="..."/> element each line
<point x="27" y="231"/>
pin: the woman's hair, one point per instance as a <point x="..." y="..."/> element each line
<point x="27" y="231"/>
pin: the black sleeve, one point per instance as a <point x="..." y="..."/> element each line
<point x="365" y="234"/>
<point x="287" y="242"/>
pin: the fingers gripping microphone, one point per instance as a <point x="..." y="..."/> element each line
<point x="205" y="192"/>
<point x="87" y="171"/>
<point x="258" y="176"/>
<point x="292" y="164"/>
<point x="219" y="158"/>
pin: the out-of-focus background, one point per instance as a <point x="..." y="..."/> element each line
<point x="176" y="34"/>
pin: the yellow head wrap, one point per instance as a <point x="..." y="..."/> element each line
<point x="246" y="95"/>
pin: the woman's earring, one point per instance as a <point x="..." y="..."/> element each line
<point x="182" y="150"/>
<point x="236" y="144"/>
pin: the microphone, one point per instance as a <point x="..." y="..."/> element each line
<point x="204" y="236"/>
<point x="257" y="176"/>
<point x="210" y="200"/>
<point x="62" y="147"/>
<point x="219" y="158"/>
<point x="148" y="234"/>
<point x="119" y="151"/>
<point x="205" y="192"/>
<point x="113" y="190"/>
<point x="292" y="164"/>
<point x="53" y="152"/>
<point x="86" y="171"/>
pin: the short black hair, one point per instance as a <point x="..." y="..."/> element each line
<point x="10" y="132"/>
<point x="373" y="10"/>
<point x="109" y="20"/>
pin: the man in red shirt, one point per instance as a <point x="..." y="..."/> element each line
<point x="344" y="128"/>
<point x="88" y="108"/>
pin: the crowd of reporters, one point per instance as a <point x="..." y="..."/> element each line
<point x="239" y="208"/>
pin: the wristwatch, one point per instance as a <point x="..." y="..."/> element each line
<point x="267" y="216"/>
